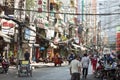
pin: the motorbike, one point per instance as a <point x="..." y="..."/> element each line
<point x="5" y="66"/>
<point x="57" y="61"/>
<point x="99" y="70"/>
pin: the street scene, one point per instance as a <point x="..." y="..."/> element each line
<point x="59" y="39"/>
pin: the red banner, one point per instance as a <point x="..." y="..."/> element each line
<point x="8" y="24"/>
<point x="118" y="41"/>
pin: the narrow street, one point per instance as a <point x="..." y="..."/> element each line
<point x="43" y="73"/>
<point x="42" y="34"/>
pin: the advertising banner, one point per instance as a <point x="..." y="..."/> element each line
<point x="118" y="39"/>
<point x="8" y="27"/>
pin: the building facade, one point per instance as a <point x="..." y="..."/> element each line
<point x="109" y="23"/>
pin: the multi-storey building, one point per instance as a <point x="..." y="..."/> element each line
<point x="109" y="22"/>
<point x="87" y="9"/>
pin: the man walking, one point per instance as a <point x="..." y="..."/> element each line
<point x="27" y="55"/>
<point x="85" y="65"/>
<point x="75" y="68"/>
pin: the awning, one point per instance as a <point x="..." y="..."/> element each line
<point x="5" y="37"/>
<point x="52" y="45"/>
<point x="35" y="45"/>
<point x="53" y="1"/>
<point x="79" y="46"/>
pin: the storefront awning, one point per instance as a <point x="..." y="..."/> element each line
<point x="6" y="40"/>
<point x="79" y="46"/>
<point x="53" y="1"/>
<point x="5" y="37"/>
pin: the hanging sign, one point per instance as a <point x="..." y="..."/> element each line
<point x="7" y="27"/>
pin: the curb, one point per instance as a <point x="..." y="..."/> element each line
<point x="40" y="65"/>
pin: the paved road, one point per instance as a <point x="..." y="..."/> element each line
<point x="43" y="73"/>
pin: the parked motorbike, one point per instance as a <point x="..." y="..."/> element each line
<point x="5" y="66"/>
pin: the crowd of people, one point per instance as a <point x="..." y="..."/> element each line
<point x="79" y="65"/>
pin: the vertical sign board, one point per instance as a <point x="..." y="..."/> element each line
<point x="118" y="39"/>
<point x="27" y="34"/>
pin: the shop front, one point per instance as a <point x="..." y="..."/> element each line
<point x="4" y="44"/>
<point x="8" y="31"/>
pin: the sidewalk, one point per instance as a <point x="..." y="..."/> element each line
<point x="39" y="65"/>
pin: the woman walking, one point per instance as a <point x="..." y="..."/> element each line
<point x="94" y="63"/>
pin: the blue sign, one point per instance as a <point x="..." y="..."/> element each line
<point x="27" y="34"/>
<point x="42" y="48"/>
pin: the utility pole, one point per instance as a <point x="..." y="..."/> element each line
<point x="82" y="10"/>
<point x="19" y="37"/>
<point x="48" y="7"/>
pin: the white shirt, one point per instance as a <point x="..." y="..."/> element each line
<point x="74" y="66"/>
<point x="85" y="62"/>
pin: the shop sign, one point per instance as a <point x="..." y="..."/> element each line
<point x="27" y="34"/>
<point x="40" y="23"/>
<point x="8" y="24"/>
<point x="118" y="38"/>
<point x="8" y="27"/>
<point x="42" y="48"/>
<point x="30" y="35"/>
<point x="118" y="29"/>
<point x="40" y="6"/>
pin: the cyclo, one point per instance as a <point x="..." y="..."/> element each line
<point x="25" y="68"/>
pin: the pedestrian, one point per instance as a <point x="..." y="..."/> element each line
<point x="85" y="65"/>
<point x="118" y="57"/>
<point x="1" y="58"/>
<point x="27" y="55"/>
<point x="71" y="56"/>
<point x="75" y="68"/>
<point x="94" y="63"/>
<point x="12" y="60"/>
